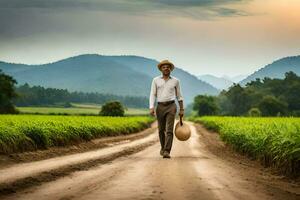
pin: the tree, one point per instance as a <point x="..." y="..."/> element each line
<point x="112" y="108"/>
<point x="239" y="99"/>
<point x="205" y="105"/>
<point x="7" y="93"/>
<point x="291" y="93"/>
<point x="271" y="106"/>
<point x="272" y="97"/>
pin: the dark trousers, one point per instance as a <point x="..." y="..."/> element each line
<point x="165" y="116"/>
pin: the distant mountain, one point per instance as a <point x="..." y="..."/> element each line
<point x="235" y="79"/>
<point x="276" y="69"/>
<point x="119" y="75"/>
<point x="218" y="82"/>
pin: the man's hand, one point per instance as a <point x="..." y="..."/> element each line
<point x="152" y="112"/>
<point x="181" y="112"/>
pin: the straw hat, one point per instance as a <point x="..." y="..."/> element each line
<point x="165" y="62"/>
<point x="182" y="131"/>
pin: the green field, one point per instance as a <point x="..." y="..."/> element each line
<point x="274" y="141"/>
<point x="20" y="133"/>
<point x="77" y="109"/>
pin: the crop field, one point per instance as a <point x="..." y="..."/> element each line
<point x="76" y="110"/>
<point x="20" y="133"/>
<point x="274" y="141"/>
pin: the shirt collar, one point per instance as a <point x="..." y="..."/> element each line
<point x="161" y="76"/>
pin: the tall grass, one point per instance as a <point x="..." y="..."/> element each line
<point x="28" y="132"/>
<point x="274" y="141"/>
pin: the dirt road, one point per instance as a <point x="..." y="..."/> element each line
<point x="200" y="168"/>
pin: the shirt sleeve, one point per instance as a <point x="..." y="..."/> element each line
<point x="178" y="91"/>
<point x="152" y="94"/>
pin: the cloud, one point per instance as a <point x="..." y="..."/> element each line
<point x="225" y="12"/>
<point x="40" y="18"/>
<point x="193" y="3"/>
<point x="199" y="9"/>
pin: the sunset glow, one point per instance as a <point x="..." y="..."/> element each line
<point x="236" y="37"/>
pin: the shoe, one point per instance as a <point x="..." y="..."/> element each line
<point x="166" y="155"/>
<point x="161" y="152"/>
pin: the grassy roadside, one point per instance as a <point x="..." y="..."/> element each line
<point x="19" y="133"/>
<point x="274" y="141"/>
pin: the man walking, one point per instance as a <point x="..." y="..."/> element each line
<point x="165" y="89"/>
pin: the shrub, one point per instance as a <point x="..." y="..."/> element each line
<point x="67" y="105"/>
<point x="113" y="108"/>
<point x="254" y="112"/>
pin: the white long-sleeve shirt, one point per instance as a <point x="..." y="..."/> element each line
<point x="164" y="90"/>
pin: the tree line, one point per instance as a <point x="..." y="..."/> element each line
<point x="26" y="95"/>
<point x="38" y="95"/>
<point x="262" y="97"/>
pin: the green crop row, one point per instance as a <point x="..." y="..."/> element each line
<point x="20" y="133"/>
<point x="274" y="141"/>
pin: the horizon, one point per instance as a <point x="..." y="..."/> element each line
<point x="217" y="37"/>
<point x="225" y="76"/>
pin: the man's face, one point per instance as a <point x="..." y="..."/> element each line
<point x="166" y="69"/>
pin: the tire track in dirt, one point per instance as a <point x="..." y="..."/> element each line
<point x="21" y="176"/>
<point x="200" y="168"/>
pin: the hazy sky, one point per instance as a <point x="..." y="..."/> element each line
<point x="220" y="37"/>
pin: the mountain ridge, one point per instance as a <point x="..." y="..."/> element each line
<point x="127" y="75"/>
<point x="218" y="82"/>
<point x="276" y="69"/>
